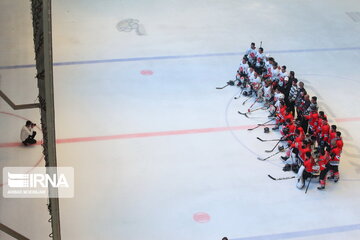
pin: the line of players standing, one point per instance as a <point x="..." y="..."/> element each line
<point x="313" y="147"/>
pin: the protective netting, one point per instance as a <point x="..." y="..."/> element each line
<point x="42" y="19"/>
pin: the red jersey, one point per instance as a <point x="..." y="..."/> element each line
<point x="323" y="160"/>
<point x="291" y="127"/>
<point x="302" y="133"/>
<point x="311" y="166"/>
<point x="303" y="151"/>
<point x="297" y="143"/>
<point x="339" y="143"/>
<point x="313" y="120"/>
<point x="325" y="132"/>
<point x="332" y="135"/>
<point x="289" y="116"/>
<point x="336" y="159"/>
<point x="280" y="115"/>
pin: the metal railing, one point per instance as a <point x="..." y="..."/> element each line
<point x="12" y="233"/>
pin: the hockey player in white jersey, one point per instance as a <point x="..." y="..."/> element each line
<point x="250" y="79"/>
<point x="243" y="68"/>
<point x="275" y="73"/>
<point x="251" y="55"/>
<point x="260" y="61"/>
<point x="283" y="76"/>
<point x="268" y="93"/>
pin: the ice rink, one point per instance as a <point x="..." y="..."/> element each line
<point x="158" y="151"/>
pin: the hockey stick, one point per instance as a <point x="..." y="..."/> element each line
<point x="268" y="140"/>
<point x="246" y="100"/>
<point x="308" y="184"/>
<point x="282" y="178"/>
<point x="253" y="104"/>
<point x="274" y="146"/>
<point x="260" y="124"/>
<point x="222" y="87"/>
<point x="243" y="114"/>
<point x="260" y="108"/>
<point x="239" y="94"/>
<point x="263" y="159"/>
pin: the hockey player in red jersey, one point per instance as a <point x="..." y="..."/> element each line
<point x="323" y="132"/>
<point x="323" y="160"/>
<point x="305" y="147"/>
<point x="334" y="163"/>
<point x="308" y="169"/>
<point x="313" y="118"/>
<point x="338" y="141"/>
<point x="332" y="134"/>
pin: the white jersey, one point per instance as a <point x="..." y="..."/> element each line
<point x="275" y="74"/>
<point x="267" y="92"/>
<point x="256" y="83"/>
<point x="254" y="80"/>
<point x="277" y="97"/>
<point x="260" y="58"/>
<point x="268" y="65"/>
<point x="243" y="67"/>
<point x="250" y="74"/>
<point x="251" y="54"/>
<point x="282" y="76"/>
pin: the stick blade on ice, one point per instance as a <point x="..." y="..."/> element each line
<point x="271" y="177"/>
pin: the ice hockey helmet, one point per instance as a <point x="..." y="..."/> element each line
<point x="266" y="130"/>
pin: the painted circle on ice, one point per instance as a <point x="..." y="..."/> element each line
<point x="147" y="72"/>
<point x="201" y="217"/>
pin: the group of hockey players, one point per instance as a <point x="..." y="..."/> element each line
<point x="312" y="146"/>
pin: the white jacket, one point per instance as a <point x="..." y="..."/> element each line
<point x="25" y="133"/>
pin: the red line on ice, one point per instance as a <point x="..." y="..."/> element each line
<point x="155" y="134"/>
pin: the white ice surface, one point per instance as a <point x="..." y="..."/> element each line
<point x="150" y="187"/>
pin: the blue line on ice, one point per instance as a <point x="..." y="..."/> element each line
<point x="178" y="57"/>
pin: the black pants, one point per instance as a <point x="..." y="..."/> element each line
<point x="30" y="139"/>
<point x="304" y="124"/>
<point x="327" y="169"/>
<point x="291" y="107"/>
<point x="306" y="175"/>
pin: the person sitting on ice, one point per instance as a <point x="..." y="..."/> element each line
<point x="27" y="133"/>
<point x="310" y="168"/>
<point x="255" y="83"/>
<point x="267" y="92"/>
<point x="243" y="68"/>
<point x="252" y="77"/>
<point x="291" y="159"/>
<point x="278" y="103"/>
